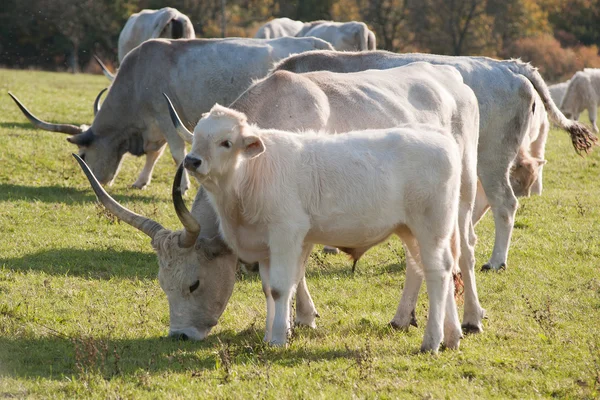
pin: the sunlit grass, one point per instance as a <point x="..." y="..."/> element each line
<point x="82" y="314"/>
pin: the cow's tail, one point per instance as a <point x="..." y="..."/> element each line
<point x="582" y="137"/>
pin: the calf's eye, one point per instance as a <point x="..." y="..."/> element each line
<point x="194" y="286"/>
<point x="226" y="143"/>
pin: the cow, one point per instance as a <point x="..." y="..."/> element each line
<point x="505" y="92"/>
<point x="334" y="103"/>
<point x="582" y="93"/>
<point x="344" y="36"/>
<point x="196" y="268"/>
<point x="350" y="190"/>
<point x="557" y="91"/>
<point x="195" y="73"/>
<point x="279" y="27"/>
<point x="167" y="23"/>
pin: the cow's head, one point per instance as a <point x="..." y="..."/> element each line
<point x="524" y="173"/>
<point x="197" y="274"/>
<point x="220" y="138"/>
<point x="103" y="153"/>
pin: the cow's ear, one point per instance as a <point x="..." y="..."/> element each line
<point x="253" y="146"/>
<point x="83" y="139"/>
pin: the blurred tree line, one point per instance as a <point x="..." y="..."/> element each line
<point x="559" y="36"/>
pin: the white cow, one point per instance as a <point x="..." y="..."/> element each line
<point x="344" y="36"/>
<point x="505" y="92"/>
<point x="277" y="193"/>
<point x="166" y="23"/>
<point x="557" y="91"/>
<point x="279" y="27"/>
<point x="583" y="92"/>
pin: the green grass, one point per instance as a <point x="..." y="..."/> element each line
<point x="82" y="314"/>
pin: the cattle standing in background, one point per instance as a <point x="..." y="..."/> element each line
<point x="583" y="92"/>
<point x="167" y="23"/>
<point x="279" y="27"/>
<point x="343" y="36"/>
<point x="194" y="73"/>
<point x="557" y="92"/>
<point x="350" y="190"/>
<point x="335" y="103"/>
<point x="505" y="92"/>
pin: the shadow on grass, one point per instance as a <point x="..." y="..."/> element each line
<point x="92" y="264"/>
<point x="60" y="194"/>
<point x="56" y="356"/>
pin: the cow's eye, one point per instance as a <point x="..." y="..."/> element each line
<point x="226" y="143"/>
<point x="194" y="286"/>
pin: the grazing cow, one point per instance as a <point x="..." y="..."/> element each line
<point x="195" y="73"/>
<point x="557" y="92"/>
<point x="344" y="36"/>
<point x="167" y="23"/>
<point x="196" y="268"/>
<point x="415" y="93"/>
<point x="279" y="27"/>
<point x="583" y="93"/>
<point x="505" y="93"/>
<point x="351" y="190"/>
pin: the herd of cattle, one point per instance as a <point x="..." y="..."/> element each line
<point x="429" y="144"/>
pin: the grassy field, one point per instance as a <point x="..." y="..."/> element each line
<point x="82" y="314"/>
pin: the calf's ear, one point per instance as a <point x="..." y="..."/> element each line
<point x="253" y="146"/>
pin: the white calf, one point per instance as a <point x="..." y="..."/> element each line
<point x="277" y="193"/>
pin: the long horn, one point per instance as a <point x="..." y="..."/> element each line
<point x="97" y="101"/>
<point x="191" y="226"/>
<point x="144" y="224"/>
<point x="64" y="128"/>
<point x="107" y="73"/>
<point x="181" y="129"/>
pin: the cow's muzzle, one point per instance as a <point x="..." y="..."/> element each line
<point x="192" y="163"/>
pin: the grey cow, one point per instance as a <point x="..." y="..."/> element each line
<point x="194" y="73"/>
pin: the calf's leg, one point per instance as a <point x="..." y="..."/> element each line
<point x="263" y="269"/>
<point x="405" y="314"/>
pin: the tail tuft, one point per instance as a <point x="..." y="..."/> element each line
<point x="582" y="138"/>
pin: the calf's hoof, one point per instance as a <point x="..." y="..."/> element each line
<point x="489" y="267"/>
<point x="330" y="250"/>
<point x="470" y="329"/>
<point x="452" y="341"/>
<point x="139" y="185"/>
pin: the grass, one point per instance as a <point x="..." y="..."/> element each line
<point x="82" y="314"/>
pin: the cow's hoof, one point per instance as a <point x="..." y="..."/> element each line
<point x="452" y="341"/>
<point x="330" y="250"/>
<point x="139" y="185"/>
<point x="488" y="267"/>
<point x="470" y="329"/>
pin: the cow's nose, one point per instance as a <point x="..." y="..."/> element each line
<point x="191" y="162"/>
<point x="180" y="336"/>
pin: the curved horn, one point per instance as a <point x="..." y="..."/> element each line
<point x="190" y="225"/>
<point x="47" y="126"/>
<point x="144" y="224"/>
<point x="105" y="70"/>
<point x="97" y="101"/>
<point x="181" y="129"/>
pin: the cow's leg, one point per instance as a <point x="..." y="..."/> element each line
<point x="405" y="314"/>
<point x="504" y="206"/>
<point x="263" y="268"/>
<point x="437" y="267"/>
<point x="473" y="313"/>
<point x="306" y="311"/>
<point x="146" y="175"/>
<point x="452" y="330"/>
<point x="285" y="250"/>
<point x="538" y="150"/>
<point x="593" y="113"/>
